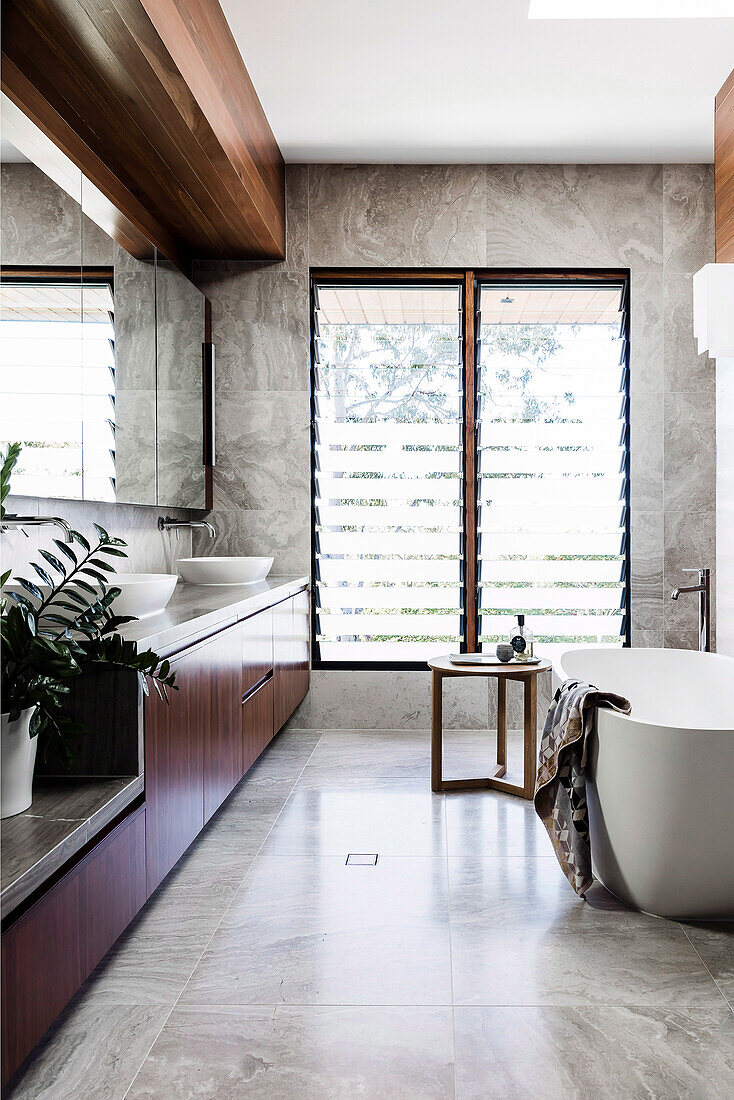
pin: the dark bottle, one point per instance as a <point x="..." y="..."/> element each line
<point x="517" y="639"/>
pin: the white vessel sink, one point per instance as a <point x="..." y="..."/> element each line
<point x="224" y="570"/>
<point x="141" y="595"/>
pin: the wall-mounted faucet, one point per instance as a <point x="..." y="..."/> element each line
<point x="37" y="521"/>
<point x="168" y="524"/>
<point x="704" y="605"/>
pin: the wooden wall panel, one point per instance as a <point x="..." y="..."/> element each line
<point x="151" y="99"/>
<point x="724" y="171"/>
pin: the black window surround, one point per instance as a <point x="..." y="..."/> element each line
<point x="470" y="281"/>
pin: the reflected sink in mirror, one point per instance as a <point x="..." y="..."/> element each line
<point x="213" y="570"/>
<point x="141" y="595"/>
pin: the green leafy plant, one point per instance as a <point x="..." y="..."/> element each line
<point x="51" y="634"/>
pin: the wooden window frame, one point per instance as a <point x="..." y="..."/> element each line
<point x="470" y="278"/>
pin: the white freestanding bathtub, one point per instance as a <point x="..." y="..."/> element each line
<point x="660" y="781"/>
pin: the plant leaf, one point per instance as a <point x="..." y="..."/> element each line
<point x="30" y="587"/>
<point x="54" y="562"/>
<point x="67" y="550"/>
<point x="45" y="577"/>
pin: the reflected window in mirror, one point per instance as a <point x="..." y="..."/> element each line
<point x="57" y="382"/>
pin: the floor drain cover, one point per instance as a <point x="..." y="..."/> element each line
<point x="361" y="859"/>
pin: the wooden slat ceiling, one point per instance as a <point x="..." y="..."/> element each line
<point x="152" y="101"/>
<point x="54" y="303"/>
<point x="394" y="305"/>
<point x="550" y="306"/>
<point x="511" y="305"/>
<point x="724" y="171"/>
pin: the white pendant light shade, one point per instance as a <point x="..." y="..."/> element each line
<point x="713" y="310"/>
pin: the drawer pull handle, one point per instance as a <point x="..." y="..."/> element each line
<point x="256" y="687"/>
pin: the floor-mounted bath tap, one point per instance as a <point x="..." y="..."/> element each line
<point x="704" y="605"/>
<point x="37" y="521"/>
<point x="168" y="524"/>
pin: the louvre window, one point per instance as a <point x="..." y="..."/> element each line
<point x="528" y="395"/>
<point x="552" y="454"/>
<point x="387" y="471"/>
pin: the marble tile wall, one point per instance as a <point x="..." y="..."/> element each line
<point x="656" y="220"/>
<point x="149" y="550"/>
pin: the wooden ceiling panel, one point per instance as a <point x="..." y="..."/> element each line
<point x="724" y="171"/>
<point x="156" y="95"/>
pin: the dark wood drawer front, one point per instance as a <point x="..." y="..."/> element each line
<point x="257" y="721"/>
<point x="257" y="648"/>
<point x="174" y="754"/>
<point x="50" y="951"/>
<point x="219" y="719"/>
<point x="291" y="633"/>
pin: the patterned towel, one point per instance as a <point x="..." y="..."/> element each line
<point x="560" y="789"/>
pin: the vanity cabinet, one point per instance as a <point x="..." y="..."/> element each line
<point x="193" y="748"/>
<point x="219" y="717"/>
<point x="257" y="720"/>
<point x="174" y="766"/>
<point x="48" y="952"/>
<point x="291" y="640"/>
<point x="237" y="688"/>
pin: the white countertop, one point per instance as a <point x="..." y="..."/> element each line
<point x="196" y="610"/>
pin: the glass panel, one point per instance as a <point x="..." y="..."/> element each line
<point x="552" y="463"/>
<point x="387" y="472"/>
<point x="180" y="328"/>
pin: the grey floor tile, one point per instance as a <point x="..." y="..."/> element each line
<point x="576" y="1053"/>
<point x="486" y="823"/>
<point x="289" y="972"/>
<point x="552" y="966"/>
<point x="213" y="867"/>
<point x="170" y="913"/>
<point x="397" y="817"/>
<point x="310" y="1053"/>
<point x="286" y="756"/>
<point x="529" y="893"/>
<point x="149" y="969"/>
<point x="473" y="753"/>
<point x="714" y="941"/>
<point x="376" y="753"/>
<point x="249" y="814"/>
<point x="92" y="1052"/>
<point x="314" y="931"/>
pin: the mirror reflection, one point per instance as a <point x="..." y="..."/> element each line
<point x="101" y="365"/>
<point x="180" y="331"/>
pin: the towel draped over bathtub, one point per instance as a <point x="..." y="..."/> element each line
<point x="560" y="789"/>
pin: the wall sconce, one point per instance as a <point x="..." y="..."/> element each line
<point x="713" y="310"/>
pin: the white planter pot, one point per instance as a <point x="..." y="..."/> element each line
<point x="17" y="761"/>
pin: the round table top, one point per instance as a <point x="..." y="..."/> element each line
<point x="511" y="668"/>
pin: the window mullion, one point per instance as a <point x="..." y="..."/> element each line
<point x="470" y="642"/>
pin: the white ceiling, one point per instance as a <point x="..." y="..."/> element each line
<point x="407" y="81"/>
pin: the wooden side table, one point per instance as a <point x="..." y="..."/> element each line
<point x="442" y="667"/>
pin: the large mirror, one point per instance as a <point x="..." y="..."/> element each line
<point x="100" y="345"/>
<point x="180" y="333"/>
